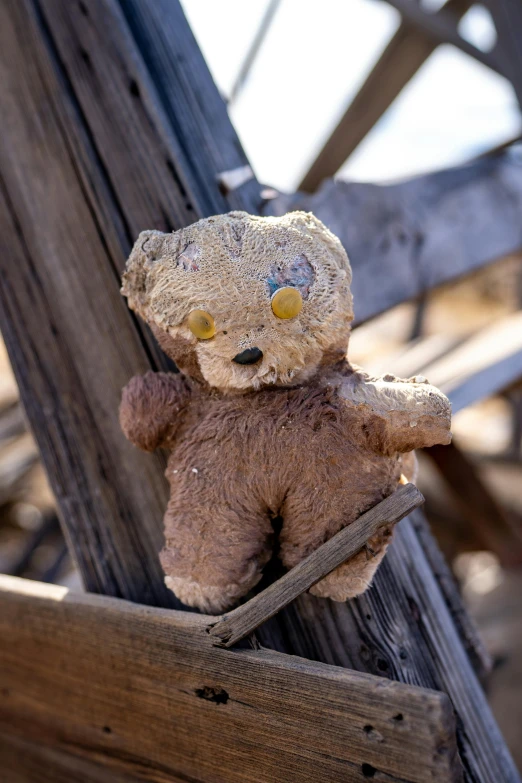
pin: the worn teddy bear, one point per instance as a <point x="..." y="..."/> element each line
<point x="268" y="418"/>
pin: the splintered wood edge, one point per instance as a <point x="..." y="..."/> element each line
<point x="241" y="622"/>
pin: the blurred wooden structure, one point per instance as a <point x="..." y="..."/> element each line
<point x="417" y="37"/>
<point x="111" y="125"/>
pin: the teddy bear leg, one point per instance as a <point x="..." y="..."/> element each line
<point x="355" y="576"/>
<point x="303" y="532"/>
<point x="213" y="556"/>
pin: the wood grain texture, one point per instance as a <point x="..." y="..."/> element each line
<point x="71" y="340"/>
<point x="476" y="651"/>
<point x="241" y="622"/>
<point x="420" y="233"/>
<point x="406" y="52"/>
<point x="200" y="713"/>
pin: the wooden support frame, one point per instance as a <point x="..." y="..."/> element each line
<point x="442" y="28"/>
<point x="404" y="55"/>
<point x="507" y="16"/>
<point x="419" y="34"/>
<point x="101" y="139"/>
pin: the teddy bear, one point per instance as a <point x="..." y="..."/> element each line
<point x="267" y="420"/>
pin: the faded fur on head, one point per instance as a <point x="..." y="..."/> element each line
<point x="230" y="266"/>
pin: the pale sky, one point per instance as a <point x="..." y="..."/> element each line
<point x="315" y="57"/>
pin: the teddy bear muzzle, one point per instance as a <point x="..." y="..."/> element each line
<point x="248" y="356"/>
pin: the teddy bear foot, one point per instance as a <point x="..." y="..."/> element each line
<point x="352" y="578"/>
<point x="210" y="599"/>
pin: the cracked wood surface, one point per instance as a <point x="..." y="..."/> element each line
<point x="89" y="684"/>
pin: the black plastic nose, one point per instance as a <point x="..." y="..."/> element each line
<point x="248" y="356"/>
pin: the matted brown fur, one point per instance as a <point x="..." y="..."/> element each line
<point x="316" y="445"/>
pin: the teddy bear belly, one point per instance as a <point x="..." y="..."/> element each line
<point x="230" y="478"/>
<point x="321" y="474"/>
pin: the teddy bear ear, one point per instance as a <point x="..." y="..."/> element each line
<point x="147" y="249"/>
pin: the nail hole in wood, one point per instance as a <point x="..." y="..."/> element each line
<point x="134" y="89"/>
<point x="217" y="695"/>
<point x="398" y="718"/>
<point x="368" y="771"/>
<point x="107" y="730"/>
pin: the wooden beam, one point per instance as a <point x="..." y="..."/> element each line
<point x="91" y="694"/>
<point x="246" y="66"/>
<point x="241" y="622"/>
<point x="195" y="113"/>
<point x="507" y="16"/>
<point x="469" y="634"/>
<point x="407" y="51"/>
<point x="442" y="28"/>
<point x="417" y="234"/>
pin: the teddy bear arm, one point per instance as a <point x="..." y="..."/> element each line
<point x="401" y="431"/>
<point x="399" y="415"/>
<point x="152" y="407"/>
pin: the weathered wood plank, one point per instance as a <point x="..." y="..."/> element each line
<point x="70" y="338"/>
<point x="468" y="632"/>
<point x="406" y="238"/>
<point x="26" y="761"/>
<point x="483" y="365"/>
<point x="89" y="685"/>
<point x="241" y="622"/>
<point x="507" y="17"/>
<point x="407" y="51"/>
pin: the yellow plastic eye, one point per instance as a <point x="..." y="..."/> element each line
<point x="287" y="302"/>
<point x="201" y="324"/>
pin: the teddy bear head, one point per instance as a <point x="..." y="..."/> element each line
<point x="239" y="301"/>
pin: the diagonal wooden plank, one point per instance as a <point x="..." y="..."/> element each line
<point x="88" y="158"/>
<point x="186" y="710"/>
<point x="407" y="51"/>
